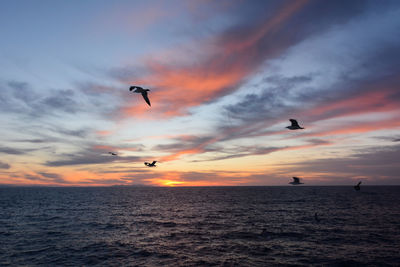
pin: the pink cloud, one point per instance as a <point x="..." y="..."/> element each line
<point x="220" y="71"/>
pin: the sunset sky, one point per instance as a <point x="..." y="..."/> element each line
<point x="225" y="78"/>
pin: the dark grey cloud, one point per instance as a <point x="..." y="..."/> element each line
<point x="210" y="144"/>
<point x="46" y="177"/>
<point x="21" y="97"/>
<point x="91" y="158"/>
<point x="270" y="103"/>
<point x="60" y="100"/>
<point x="184" y="142"/>
<point x="104" y="99"/>
<point x="50" y="175"/>
<point x="22" y="91"/>
<point x="4" y="165"/>
<point x="244" y="151"/>
<point x="81" y="133"/>
<point x="387" y="138"/>
<point x="12" y="151"/>
<point x="123" y="170"/>
<point x="35" y="141"/>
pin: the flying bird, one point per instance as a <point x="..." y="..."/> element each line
<point x="140" y="90"/>
<point x="357" y="187"/>
<point x="295" y="125"/>
<point x="113" y="153"/>
<point x="296" y="181"/>
<point x="153" y="164"/>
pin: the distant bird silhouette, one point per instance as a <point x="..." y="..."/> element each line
<point x="153" y="164"/>
<point x="296" y="181"/>
<point x="357" y="187"/>
<point x="113" y="153"/>
<point x="316" y="217"/>
<point x="295" y="125"/>
<point x="140" y="90"/>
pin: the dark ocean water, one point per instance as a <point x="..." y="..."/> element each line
<point x="209" y="226"/>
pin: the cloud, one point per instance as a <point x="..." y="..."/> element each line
<point x="35" y="141"/>
<point x="84" y="99"/>
<point x="4" y="165"/>
<point x="12" y="151"/>
<point x="367" y="85"/>
<point x="81" y="133"/>
<point x="189" y="145"/>
<point x="244" y="151"/>
<point x="60" y="100"/>
<point x="357" y="128"/>
<point x="271" y="102"/>
<point x="230" y="57"/>
<point x="46" y="177"/>
<point x="381" y="96"/>
<point x="21" y="97"/>
<point x="276" y="102"/>
<point x="90" y="158"/>
<point x="96" y="154"/>
<point x="378" y="165"/>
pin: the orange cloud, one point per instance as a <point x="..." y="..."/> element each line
<point x="360" y="128"/>
<point x="201" y="148"/>
<point x="104" y="133"/>
<point x="224" y="67"/>
<point x="375" y="101"/>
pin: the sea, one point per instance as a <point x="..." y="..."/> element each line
<point x="200" y="226"/>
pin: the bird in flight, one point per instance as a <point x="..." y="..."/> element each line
<point x="357" y="187"/>
<point x="153" y="164"/>
<point x="140" y="90"/>
<point x="296" y="181"/>
<point x="113" y="153"/>
<point x="295" y="125"/>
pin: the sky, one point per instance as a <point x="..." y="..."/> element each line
<point x="224" y="76"/>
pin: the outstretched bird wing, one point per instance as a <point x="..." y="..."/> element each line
<point x="146" y="98"/>
<point x="154" y="162"/>
<point x="134" y="87"/>
<point x="294" y="123"/>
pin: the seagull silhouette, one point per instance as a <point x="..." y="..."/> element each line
<point x="153" y="164"/>
<point x="140" y="90"/>
<point x="295" y="125"/>
<point x="357" y="187"/>
<point x="296" y="181"/>
<point x="112" y="153"/>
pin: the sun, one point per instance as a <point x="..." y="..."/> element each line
<point x="171" y="183"/>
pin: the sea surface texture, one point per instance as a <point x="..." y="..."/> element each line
<point x="206" y="226"/>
